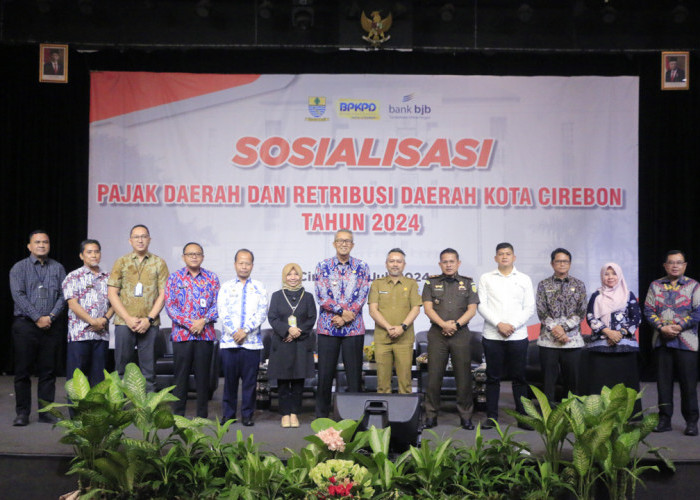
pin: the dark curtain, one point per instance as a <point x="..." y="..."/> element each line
<point x="44" y="138"/>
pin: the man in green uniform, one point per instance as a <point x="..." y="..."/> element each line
<point x="394" y="304"/>
<point x="450" y="302"/>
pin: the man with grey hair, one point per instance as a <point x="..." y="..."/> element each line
<point x="342" y="286"/>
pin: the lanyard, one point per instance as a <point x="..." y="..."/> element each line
<point x="294" y="308"/>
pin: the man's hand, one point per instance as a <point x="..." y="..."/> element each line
<point x="505" y="329"/>
<point x="132" y="322"/>
<point x="671" y="331"/>
<point x="395" y="331"/>
<point x="449" y="328"/>
<point x="338" y="321"/>
<point x="143" y="325"/>
<point x="348" y="316"/>
<point x="560" y="335"/>
<point x="240" y="336"/>
<point x="44" y="322"/>
<point x="98" y="324"/>
<point x="198" y="326"/>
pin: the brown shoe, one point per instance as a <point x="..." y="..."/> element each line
<point x="285" y="421"/>
<point x="293" y="420"/>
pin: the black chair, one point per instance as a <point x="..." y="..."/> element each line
<point x="165" y="364"/>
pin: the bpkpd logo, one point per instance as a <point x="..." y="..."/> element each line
<point x="358" y="109"/>
<point x="317" y="108"/>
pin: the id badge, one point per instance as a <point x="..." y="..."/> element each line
<point x="43" y="292"/>
<point x="138" y="290"/>
<point x="292" y="321"/>
<point x="202" y="303"/>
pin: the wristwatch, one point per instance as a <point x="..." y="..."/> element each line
<point x="151" y="320"/>
<point x="458" y="325"/>
<point x="404" y="326"/>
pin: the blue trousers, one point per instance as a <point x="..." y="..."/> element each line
<point x="239" y="363"/>
<point x="89" y="356"/>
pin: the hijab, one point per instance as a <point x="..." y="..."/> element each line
<point x="285" y="271"/>
<point x="610" y="299"/>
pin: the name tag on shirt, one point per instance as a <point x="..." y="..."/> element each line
<point x="43" y="292"/>
<point x="138" y="290"/>
<point x="202" y="303"/>
<point x="382" y="291"/>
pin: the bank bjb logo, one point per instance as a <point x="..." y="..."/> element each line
<point x="409" y="107"/>
<point x="317" y="106"/>
<point x="358" y="109"/>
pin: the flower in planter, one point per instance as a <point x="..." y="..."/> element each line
<point x="368" y="351"/>
<point x="341" y="479"/>
<point x="332" y="439"/>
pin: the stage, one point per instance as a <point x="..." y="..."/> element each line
<point x="33" y="462"/>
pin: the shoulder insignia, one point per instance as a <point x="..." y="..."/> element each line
<point x="473" y="287"/>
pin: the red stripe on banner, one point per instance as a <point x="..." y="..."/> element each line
<point x="114" y="93"/>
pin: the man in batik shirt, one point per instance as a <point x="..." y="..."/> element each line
<point x="342" y="286"/>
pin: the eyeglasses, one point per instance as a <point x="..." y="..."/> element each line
<point x="562" y="262"/>
<point x="140" y="237"/>
<point x="344" y="242"/>
<point x="675" y="263"/>
<point x="193" y="254"/>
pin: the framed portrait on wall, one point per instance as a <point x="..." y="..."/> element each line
<point x="675" y="71"/>
<point x="53" y="63"/>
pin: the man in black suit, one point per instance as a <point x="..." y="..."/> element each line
<point x="674" y="73"/>
<point x="55" y="65"/>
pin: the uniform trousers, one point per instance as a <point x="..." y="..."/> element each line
<point x="685" y="366"/>
<point x="328" y="349"/>
<point x="504" y="357"/>
<point x="89" y="357"/>
<point x="239" y="364"/>
<point x="393" y="355"/>
<point x="440" y="347"/>
<point x="560" y="360"/>
<point x="188" y="355"/>
<point x="125" y="340"/>
<point x="34" y="348"/>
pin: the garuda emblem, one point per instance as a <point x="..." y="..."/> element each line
<point x="376" y="28"/>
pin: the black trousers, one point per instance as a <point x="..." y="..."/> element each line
<point x="34" y="348"/>
<point x="440" y="348"/>
<point x="504" y="357"/>
<point x="685" y="366"/>
<point x="290" y="391"/>
<point x="560" y="360"/>
<point x="89" y="357"/>
<point x="187" y="355"/>
<point x="328" y="350"/>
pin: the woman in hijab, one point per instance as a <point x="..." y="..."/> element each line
<point x="292" y="315"/>
<point x="614" y="316"/>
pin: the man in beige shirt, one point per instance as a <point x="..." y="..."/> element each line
<point x="394" y="304"/>
<point x="136" y="291"/>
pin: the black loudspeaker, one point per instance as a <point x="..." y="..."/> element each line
<point x="401" y="412"/>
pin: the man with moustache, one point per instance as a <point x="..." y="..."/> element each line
<point x="561" y="305"/>
<point x="672" y="307"/>
<point x="242" y="306"/>
<point x="506" y="303"/>
<point x="89" y="312"/>
<point x="35" y="285"/>
<point x="394" y="304"/>
<point x="137" y="293"/>
<point x="450" y="302"/>
<point x="342" y="286"/>
<point x="190" y="301"/>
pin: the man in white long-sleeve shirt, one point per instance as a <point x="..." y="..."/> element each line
<point x="506" y="302"/>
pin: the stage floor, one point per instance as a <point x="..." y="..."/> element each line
<point x="38" y="439"/>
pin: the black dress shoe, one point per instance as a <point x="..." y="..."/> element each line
<point x="430" y="423"/>
<point x="21" y="420"/>
<point x="47" y="418"/>
<point x="663" y="426"/>
<point x="467" y="424"/>
<point x="691" y="429"/>
<point x="488" y="423"/>
<point x="248" y="422"/>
